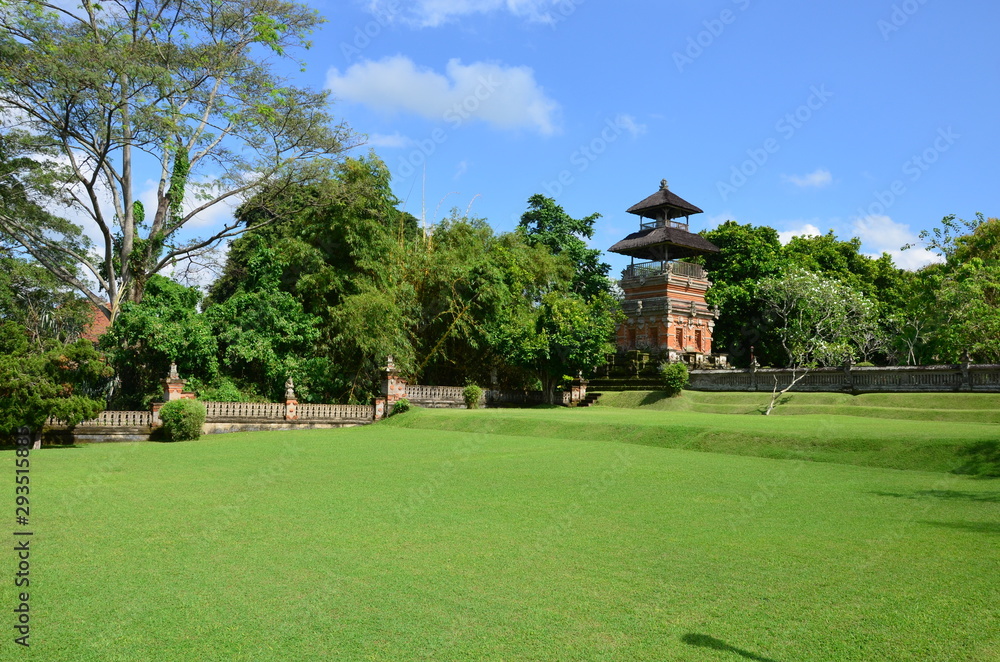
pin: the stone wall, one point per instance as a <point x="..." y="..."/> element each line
<point x="854" y="379"/>
<point x="220" y="417"/>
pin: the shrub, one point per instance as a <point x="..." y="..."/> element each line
<point x="401" y="407"/>
<point x="182" y="419"/>
<point x="674" y="376"/>
<point x="864" y="364"/>
<point x="471" y="395"/>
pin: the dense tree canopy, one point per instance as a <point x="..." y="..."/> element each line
<point x="47" y="378"/>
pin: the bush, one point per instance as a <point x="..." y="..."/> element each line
<point x="864" y="364"/>
<point x="401" y="407"/>
<point x="471" y="395"/>
<point x="675" y="377"/>
<point x="182" y="419"/>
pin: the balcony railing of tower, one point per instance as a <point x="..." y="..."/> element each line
<point x="650" y="223"/>
<point x="657" y="268"/>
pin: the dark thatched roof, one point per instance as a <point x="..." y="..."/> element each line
<point x="664" y="199"/>
<point x="663" y="243"/>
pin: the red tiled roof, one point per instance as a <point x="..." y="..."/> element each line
<point x="98" y="325"/>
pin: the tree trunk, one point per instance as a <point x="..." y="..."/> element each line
<point x="776" y="394"/>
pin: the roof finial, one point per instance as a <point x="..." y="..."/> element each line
<point x="663" y="185"/>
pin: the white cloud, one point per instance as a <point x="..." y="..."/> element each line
<point x="217" y="214"/>
<point x="805" y="230"/>
<point x="712" y="222"/>
<point x="432" y="13"/>
<point x="880" y="234"/>
<point x="393" y="141"/>
<point x="506" y="97"/>
<point x="629" y="123"/>
<point x="816" y="179"/>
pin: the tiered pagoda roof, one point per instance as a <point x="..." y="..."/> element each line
<point x="661" y="237"/>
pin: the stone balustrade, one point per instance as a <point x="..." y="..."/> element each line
<point x="854" y="379"/>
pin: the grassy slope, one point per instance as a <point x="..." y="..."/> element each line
<point x="949" y="407"/>
<point x="885" y="442"/>
<point x="388" y="543"/>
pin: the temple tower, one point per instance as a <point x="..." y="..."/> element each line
<point x="665" y="308"/>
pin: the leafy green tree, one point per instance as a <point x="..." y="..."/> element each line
<point x="344" y="250"/>
<point x="148" y="336"/>
<point x="748" y="254"/>
<point x="65" y="381"/>
<point x="563" y="334"/>
<point x="548" y="224"/>
<point x="264" y="336"/>
<point x="953" y="233"/>
<point x="192" y="87"/>
<point x="31" y="296"/>
<point x="465" y="277"/>
<point x="965" y="313"/>
<point x="954" y="304"/>
<point x="879" y="278"/>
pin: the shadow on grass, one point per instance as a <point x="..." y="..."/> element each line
<point x="950" y="495"/>
<point x="705" y="641"/>
<point x="981" y="460"/>
<point x="653" y="397"/>
<point x="972" y="527"/>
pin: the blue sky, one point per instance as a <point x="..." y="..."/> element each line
<point x="873" y="119"/>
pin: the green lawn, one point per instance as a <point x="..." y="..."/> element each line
<point x="896" y="442"/>
<point x="544" y="539"/>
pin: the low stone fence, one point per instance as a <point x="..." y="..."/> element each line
<point x="854" y="379"/>
<point x="220" y="417"/>
<point x="108" y="426"/>
<point x="434" y="396"/>
<point x="452" y="397"/>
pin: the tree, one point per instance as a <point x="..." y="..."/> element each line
<point x="546" y="223"/>
<point x="343" y="253"/>
<point x="64" y="381"/>
<point x="817" y="319"/>
<point x="147" y="337"/>
<point x="953" y="233"/>
<point x="955" y="303"/>
<point x="748" y="254"/>
<point x="965" y="314"/>
<point x="31" y="296"/>
<point x="466" y="277"/>
<point x="188" y="89"/>
<point x="264" y="336"/>
<point x="564" y="333"/>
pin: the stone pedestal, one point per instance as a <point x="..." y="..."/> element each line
<point x="393" y="386"/>
<point x="291" y="401"/>
<point x="578" y="389"/>
<point x="173" y="385"/>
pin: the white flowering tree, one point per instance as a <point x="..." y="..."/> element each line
<point x="818" y="320"/>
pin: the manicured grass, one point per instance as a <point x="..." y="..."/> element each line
<point x="392" y="542"/>
<point x="950" y="407"/>
<point x="894" y="443"/>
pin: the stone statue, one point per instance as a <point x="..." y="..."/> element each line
<point x="289" y="389"/>
<point x="663" y="185"/>
<point x="173" y="372"/>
